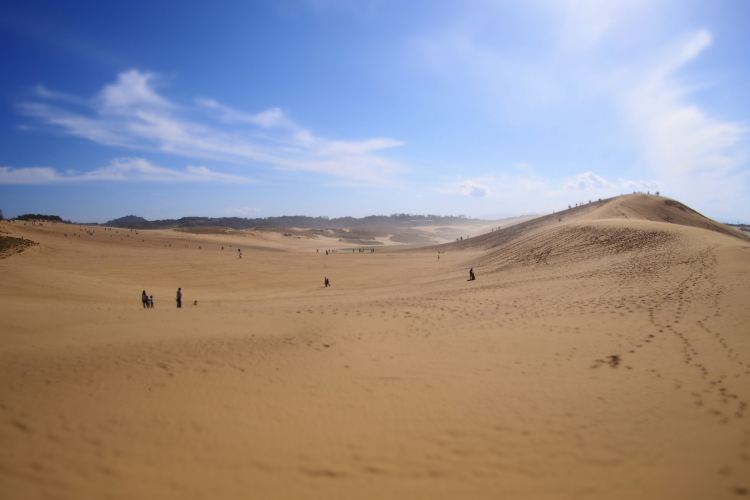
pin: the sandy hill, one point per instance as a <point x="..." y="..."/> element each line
<point x="602" y="352"/>
<point x="599" y="229"/>
<point x="657" y="209"/>
<point x="635" y="207"/>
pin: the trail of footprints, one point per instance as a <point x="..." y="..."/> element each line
<point x="667" y="314"/>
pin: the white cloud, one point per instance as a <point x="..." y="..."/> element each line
<point x="525" y="191"/>
<point x="592" y="184"/>
<point x="272" y="117"/>
<point x="676" y="136"/>
<point x="118" y="170"/>
<point x="588" y="181"/>
<point x="28" y="175"/>
<point x="696" y="155"/>
<point x="130" y="113"/>
<point x="473" y="188"/>
<point x="132" y="89"/>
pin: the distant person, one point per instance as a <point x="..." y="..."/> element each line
<point x="179" y="298"/>
<point x="326" y="282"/>
<point x="151" y="301"/>
<point x="471" y="274"/>
<point x="144" y="299"/>
<point x="195" y="302"/>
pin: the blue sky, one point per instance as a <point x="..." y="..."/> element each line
<point x="333" y="107"/>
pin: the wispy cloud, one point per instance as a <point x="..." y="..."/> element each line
<point x="272" y="117"/>
<point x="474" y="188"/>
<point x="677" y="136"/>
<point x="587" y="181"/>
<point x="131" y="113"/>
<point x="118" y="170"/>
<point x="525" y="190"/>
<point x="586" y="22"/>
<point x="656" y="125"/>
<point x="696" y="156"/>
<point x="45" y="93"/>
<point x="591" y="183"/>
<point x="243" y="211"/>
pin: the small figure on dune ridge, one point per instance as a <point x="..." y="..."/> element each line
<point x="179" y="298"/>
<point x="471" y="274"/>
<point x="326" y="282"/>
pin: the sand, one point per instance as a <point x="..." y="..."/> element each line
<point x="601" y="353"/>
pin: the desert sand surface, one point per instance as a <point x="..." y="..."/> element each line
<point x="603" y="352"/>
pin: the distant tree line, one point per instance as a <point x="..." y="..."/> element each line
<point x="301" y="221"/>
<point x="45" y="217"/>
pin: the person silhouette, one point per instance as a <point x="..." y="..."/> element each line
<point x="326" y="282"/>
<point x="471" y="274"/>
<point x="144" y="299"/>
<point x="179" y="297"/>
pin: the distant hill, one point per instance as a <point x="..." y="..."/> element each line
<point x="289" y="221"/>
<point x="633" y="207"/>
<point x="128" y="221"/>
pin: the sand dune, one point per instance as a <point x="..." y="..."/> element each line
<point x="603" y="352"/>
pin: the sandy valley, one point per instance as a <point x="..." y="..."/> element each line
<point x="602" y="352"/>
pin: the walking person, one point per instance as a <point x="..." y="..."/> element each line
<point x="471" y="274"/>
<point x="179" y="298"/>
<point x="144" y="299"/>
<point x="150" y="301"/>
<point x="326" y="282"/>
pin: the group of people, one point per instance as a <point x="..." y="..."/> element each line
<point x="148" y="300"/>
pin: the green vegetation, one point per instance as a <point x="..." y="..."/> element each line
<point x="49" y="218"/>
